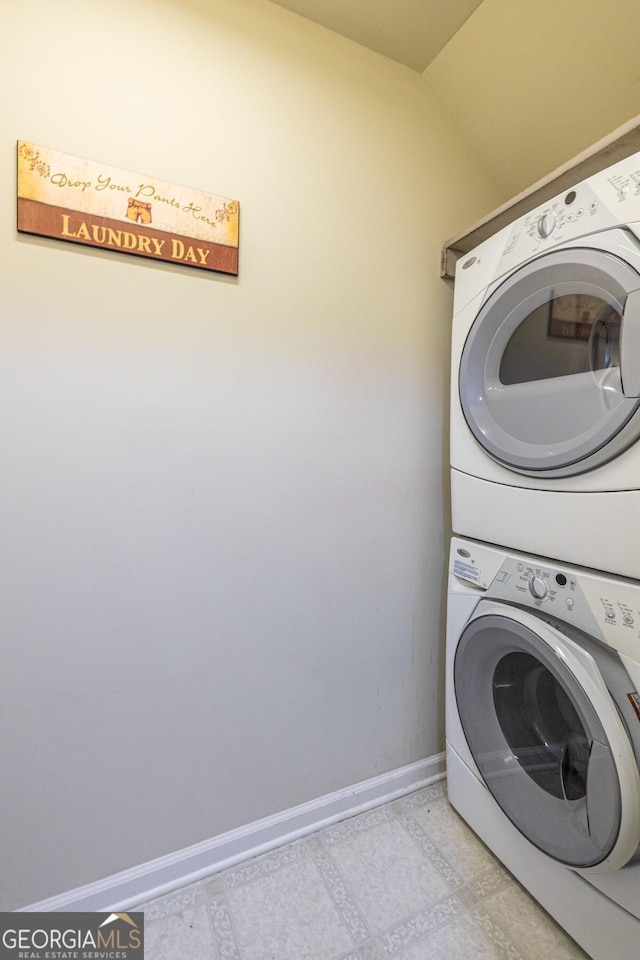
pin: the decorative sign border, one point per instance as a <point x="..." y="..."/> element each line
<point x="81" y="201"/>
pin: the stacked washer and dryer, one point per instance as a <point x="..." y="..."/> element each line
<point x="543" y="620"/>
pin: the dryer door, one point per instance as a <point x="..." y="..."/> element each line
<point x="547" y="739"/>
<point x="548" y="378"/>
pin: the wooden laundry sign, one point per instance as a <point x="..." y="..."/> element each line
<point x="81" y="201"/>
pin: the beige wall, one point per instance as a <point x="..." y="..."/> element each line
<point x="222" y="501"/>
<point x="530" y="85"/>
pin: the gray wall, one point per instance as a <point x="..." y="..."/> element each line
<point x="222" y="501"/>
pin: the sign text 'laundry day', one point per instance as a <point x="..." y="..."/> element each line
<point x="85" y="202"/>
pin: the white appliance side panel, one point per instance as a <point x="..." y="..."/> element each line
<point x="599" y="530"/>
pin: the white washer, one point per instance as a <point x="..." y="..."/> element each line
<point x="545" y="405"/>
<point x="543" y="733"/>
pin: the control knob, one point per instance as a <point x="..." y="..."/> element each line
<point x="539" y="588"/>
<point x="546" y="225"/>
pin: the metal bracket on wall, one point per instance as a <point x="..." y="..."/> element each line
<point x="623" y="142"/>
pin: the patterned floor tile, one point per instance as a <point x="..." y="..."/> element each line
<point x="344" y="902"/>
<point x="427" y="847"/>
<point x="288" y="915"/>
<point x="416" y="928"/>
<point x="437" y="791"/>
<point x="459" y="940"/>
<point x="226" y="947"/>
<point x="263" y="866"/>
<point x="184" y="898"/>
<point x="404" y="881"/>
<point x="356" y="825"/>
<point x="185" y="935"/>
<point x="466" y="854"/>
<point x="487" y="884"/>
<point x="514" y="917"/>
<point x="388" y="876"/>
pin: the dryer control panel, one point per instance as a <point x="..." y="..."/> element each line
<point x="567" y="217"/>
<point x="610" y="198"/>
<point x="605" y="607"/>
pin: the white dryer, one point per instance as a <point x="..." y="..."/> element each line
<point x="543" y="733"/>
<point x="545" y="404"/>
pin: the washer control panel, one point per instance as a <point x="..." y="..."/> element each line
<point x="605" y="607"/>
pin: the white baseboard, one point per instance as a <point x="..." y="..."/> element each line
<point x="123" y="891"/>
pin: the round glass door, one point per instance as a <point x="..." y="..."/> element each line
<point x="538" y="741"/>
<point x="541" y="725"/>
<point x="540" y="381"/>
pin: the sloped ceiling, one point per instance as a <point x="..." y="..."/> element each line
<point x="412" y="32"/>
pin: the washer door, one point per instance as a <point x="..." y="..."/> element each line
<point x="547" y="739"/>
<point x="549" y="375"/>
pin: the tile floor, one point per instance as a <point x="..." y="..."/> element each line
<point x="407" y="880"/>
